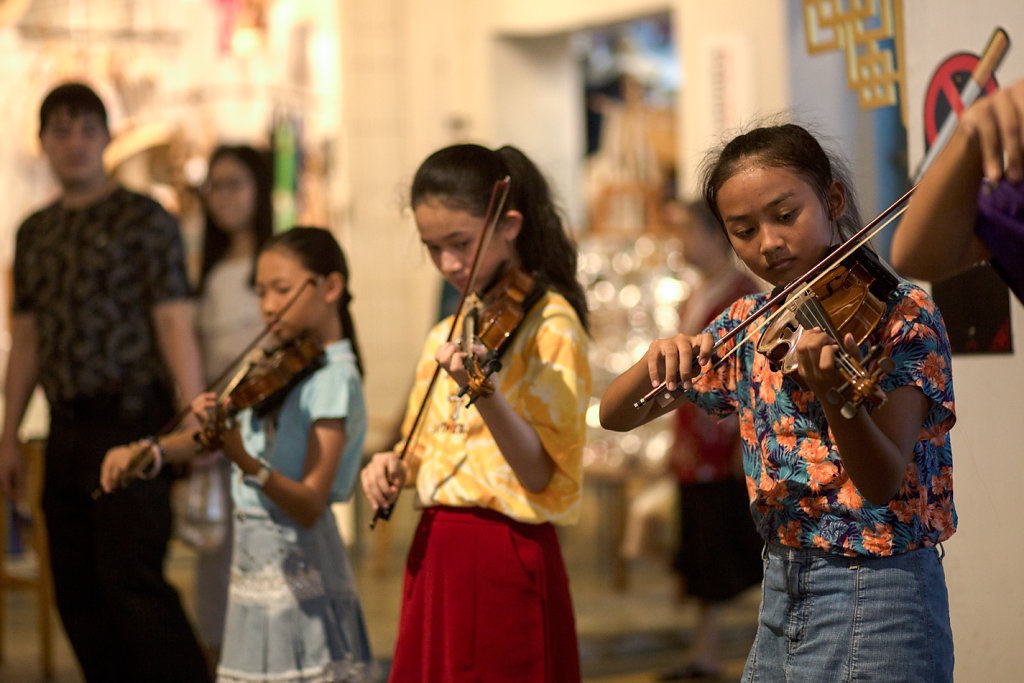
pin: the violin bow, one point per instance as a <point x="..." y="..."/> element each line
<point x="802" y="283"/>
<point x="140" y="458"/>
<point x="495" y="210"/>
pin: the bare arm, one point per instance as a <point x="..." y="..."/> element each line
<point x="875" y="448"/>
<point x="122" y="464"/>
<point x="665" y="358"/>
<point x="176" y="338"/>
<point x="517" y="440"/>
<point x="936" y="237"/>
<point x="21" y="378"/>
<point x="303" y="500"/>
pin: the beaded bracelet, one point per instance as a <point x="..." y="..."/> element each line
<point x="151" y="470"/>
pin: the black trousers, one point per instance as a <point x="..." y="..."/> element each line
<point x="124" y="621"/>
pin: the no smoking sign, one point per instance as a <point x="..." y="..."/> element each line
<point x="943" y="97"/>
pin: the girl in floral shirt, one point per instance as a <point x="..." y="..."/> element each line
<point x="851" y="508"/>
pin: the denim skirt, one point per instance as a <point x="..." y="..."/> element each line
<point x="826" y="617"/>
<point x="293" y="615"/>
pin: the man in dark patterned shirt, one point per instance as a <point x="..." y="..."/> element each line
<point x="102" y="321"/>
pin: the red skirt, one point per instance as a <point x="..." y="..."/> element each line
<point x="486" y="598"/>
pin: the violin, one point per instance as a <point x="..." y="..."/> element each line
<point x="256" y="389"/>
<point x="843" y="293"/>
<point x="850" y="299"/>
<point x="492" y="322"/>
<point x="261" y="384"/>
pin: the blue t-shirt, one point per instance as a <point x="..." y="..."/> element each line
<point x="333" y="392"/>
<point x="800" y="492"/>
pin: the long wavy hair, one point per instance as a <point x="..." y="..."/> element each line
<point x="462" y="178"/>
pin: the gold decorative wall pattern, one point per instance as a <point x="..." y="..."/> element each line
<point x="875" y="71"/>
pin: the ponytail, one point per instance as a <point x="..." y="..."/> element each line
<point x="348" y="327"/>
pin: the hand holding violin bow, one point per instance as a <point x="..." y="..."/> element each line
<point x="840" y="294"/>
<point x="383" y="477"/>
<point x="261" y="378"/>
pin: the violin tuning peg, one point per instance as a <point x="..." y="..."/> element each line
<point x="835" y="394"/>
<point x="873" y="353"/>
<point x="849" y="409"/>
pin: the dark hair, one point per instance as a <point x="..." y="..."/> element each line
<point x="215" y="240"/>
<point x="786" y="146"/>
<point x="698" y="210"/>
<point x="77" y="99"/>
<point x="321" y="254"/>
<point x="462" y="178"/>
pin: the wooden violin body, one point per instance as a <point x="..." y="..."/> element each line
<point x="262" y="382"/>
<point x="492" y="322"/>
<point x="503" y="308"/>
<point x="882" y="278"/>
<point x="848" y="299"/>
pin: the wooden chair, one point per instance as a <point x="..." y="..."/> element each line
<point x="40" y="583"/>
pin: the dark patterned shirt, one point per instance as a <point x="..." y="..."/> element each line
<point x="800" y="492"/>
<point x="91" y="278"/>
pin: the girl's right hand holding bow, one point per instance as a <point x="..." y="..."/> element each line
<point x="124" y="463"/>
<point x="669" y="361"/>
<point x="121" y="464"/>
<point x="382" y="478"/>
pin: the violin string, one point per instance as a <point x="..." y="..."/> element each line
<point x="812" y="314"/>
<point x="819" y="318"/>
<point x="495" y="210"/>
<point x="896" y="213"/>
<point x="791" y="291"/>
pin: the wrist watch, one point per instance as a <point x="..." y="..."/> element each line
<point x="259" y="479"/>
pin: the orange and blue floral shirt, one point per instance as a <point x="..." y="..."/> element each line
<point x="800" y="493"/>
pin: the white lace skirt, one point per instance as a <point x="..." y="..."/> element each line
<point x="293" y="613"/>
